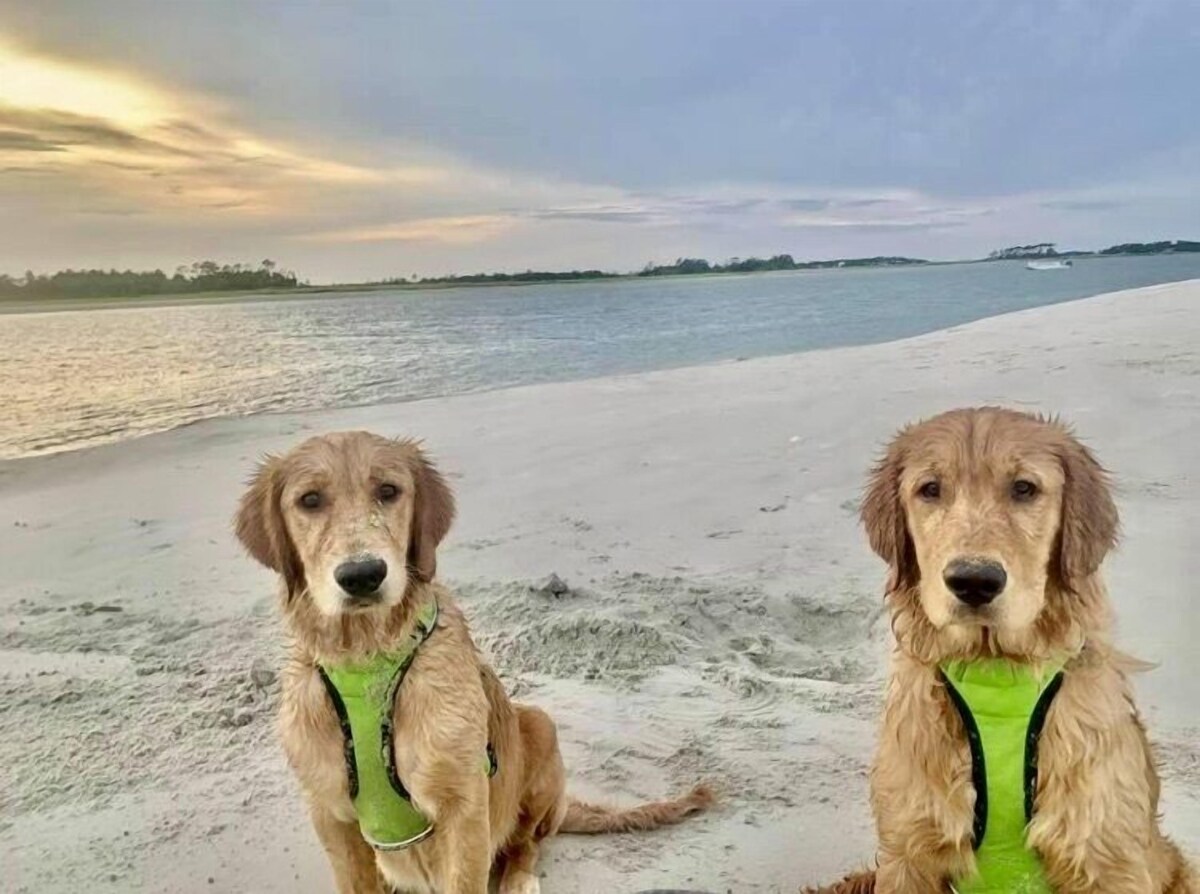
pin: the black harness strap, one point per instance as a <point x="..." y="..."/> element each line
<point x="978" y="767"/>
<point x="1036" y="724"/>
<point x="339" y="708"/>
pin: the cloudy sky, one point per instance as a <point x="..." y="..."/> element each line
<point x="358" y="140"/>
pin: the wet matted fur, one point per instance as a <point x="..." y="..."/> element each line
<point x="1017" y="490"/>
<point x="354" y="496"/>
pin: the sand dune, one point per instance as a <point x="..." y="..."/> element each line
<point x="723" y="617"/>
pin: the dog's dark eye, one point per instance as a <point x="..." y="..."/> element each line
<point x="1024" y="490"/>
<point x="311" y="500"/>
<point x="930" y="490"/>
<point x="388" y="492"/>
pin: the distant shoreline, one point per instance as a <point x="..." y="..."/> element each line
<point x="303" y="292"/>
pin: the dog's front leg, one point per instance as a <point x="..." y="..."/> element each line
<point x="1096" y="815"/>
<point x="916" y="853"/>
<point x="923" y="811"/>
<point x="1113" y="856"/>
<point x="352" y="859"/>
<point x="465" y="846"/>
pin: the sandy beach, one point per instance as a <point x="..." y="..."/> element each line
<point x="723" y="619"/>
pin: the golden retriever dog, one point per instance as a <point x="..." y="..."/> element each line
<point x="994" y="525"/>
<point x="351" y="522"/>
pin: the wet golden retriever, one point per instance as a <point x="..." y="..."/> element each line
<point x="994" y="524"/>
<point x="352" y="522"/>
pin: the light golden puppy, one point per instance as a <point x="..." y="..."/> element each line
<point x="994" y="525"/>
<point x="451" y="777"/>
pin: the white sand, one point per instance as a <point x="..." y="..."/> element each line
<point x="725" y="622"/>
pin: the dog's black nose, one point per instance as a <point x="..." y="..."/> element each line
<point x="361" y="577"/>
<point x="975" y="582"/>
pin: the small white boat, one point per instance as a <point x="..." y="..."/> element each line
<point x="1048" y="265"/>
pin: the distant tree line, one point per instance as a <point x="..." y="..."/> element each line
<point x="527" y="276"/>
<point x="1050" y="250"/>
<point x="203" y="276"/>
<point x="1040" y="250"/>
<point x="681" y="267"/>
<point x="1152" y="248"/>
<point x="684" y="266"/>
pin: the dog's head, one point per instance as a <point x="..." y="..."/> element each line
<point x="986" y="513"/>
<point x="349" y="520"/>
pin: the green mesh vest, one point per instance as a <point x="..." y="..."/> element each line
<point x="1003" y="707"/>
<point x="364" y="696"/>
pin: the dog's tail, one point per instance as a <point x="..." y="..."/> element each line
<point x="855" y="883"/>
<point x="590" y="819"/>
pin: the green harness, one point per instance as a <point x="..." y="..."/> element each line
<point x="1003" y="707"/>
<point x="364" y="697"/>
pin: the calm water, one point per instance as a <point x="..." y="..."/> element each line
<point x="74" y="379"/>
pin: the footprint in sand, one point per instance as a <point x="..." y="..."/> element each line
<point x="723" y="535"/>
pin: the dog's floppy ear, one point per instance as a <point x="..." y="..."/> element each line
<point x="433" y="513"/>
<point x="1089" y="516"/>
<point x="883" y="516"/>
<point x="260" y="527"/>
